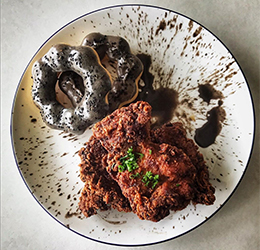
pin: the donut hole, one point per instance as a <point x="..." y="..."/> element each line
<point x="61" y="97"/>
<point x="69" y="89"/>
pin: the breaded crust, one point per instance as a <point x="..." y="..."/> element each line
<point x="100" y="191"/>
<point x="167" y="152"/>
<point x="174" y="134"/>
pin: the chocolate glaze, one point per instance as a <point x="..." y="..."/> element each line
<point x="72" y="85"/>
<point x="163" y="100"/>
<point x="206" y="135"/>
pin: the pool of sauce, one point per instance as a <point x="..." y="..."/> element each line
<point x="206" y="135"/>
<point x="163" y="100"/>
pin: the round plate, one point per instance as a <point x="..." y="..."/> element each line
<point x="184" y="56"/>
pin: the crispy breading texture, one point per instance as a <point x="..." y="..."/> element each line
<point x="174" y="189"/>
<point x="100" y="191"/>
<point x="124" y="127"/>
<point x="174" y="134"/>
<point x="180" y="182"/>
<point x="165" y="152"/>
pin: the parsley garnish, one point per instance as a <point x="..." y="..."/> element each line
<point x="140" y="155"/>
<point x="121" y="168"/>
<point x="133" y="176"/>
<point x="149" y="178"/>
<point x="129" y="161"/>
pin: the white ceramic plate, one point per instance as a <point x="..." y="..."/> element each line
<point x="184" y="55"/>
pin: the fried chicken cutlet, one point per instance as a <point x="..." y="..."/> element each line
<point x="174" y="134"/>
<point x="163" y="179"/>
<point x="100" y="191"/>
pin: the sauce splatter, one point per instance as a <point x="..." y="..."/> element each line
<point x="206" y="135"/>
<point x="161" y="26"/>
<point x="163" y="100"/>
<point x="208" y="92"/>
<point x="197" y="31"/>
<point x="70" y="214"/>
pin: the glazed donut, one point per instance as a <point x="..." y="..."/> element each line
<point x="87" y="94"/>
<point x="129" y="67"/>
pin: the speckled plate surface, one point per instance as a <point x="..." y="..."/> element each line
<point x="184" y="56"/>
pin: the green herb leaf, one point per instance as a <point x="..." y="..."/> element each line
<point x="133" y="176"/>
<point x="154" y="184"/>
<point x="140" y="155"/>
<point x="121" y="168"/>
<point x="129" y="161"/>
<point x="178" y="184"/>
<point x="150" y="151"/>
<point x="150" y="178"/>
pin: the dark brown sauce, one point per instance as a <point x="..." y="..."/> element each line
<point x="207" y="92"/>
<point x="163" y="100"/>
<point x="71" y="84"/>
<point x="190" y="25"/>
<point x="206" y="135"/>
<point x="197" y="31"/>
<point x="69" y="214"/>
<point x="161" y="26"/>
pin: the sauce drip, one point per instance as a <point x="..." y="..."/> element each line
<point x="206" y="135"/>
<point x="163" y="100"/>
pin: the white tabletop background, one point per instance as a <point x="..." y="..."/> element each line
<point x="25" y="26"/>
